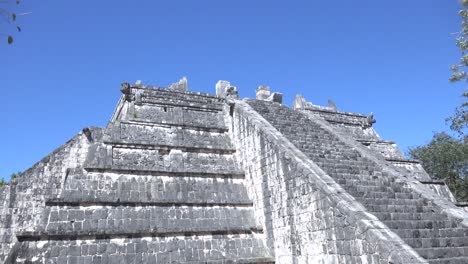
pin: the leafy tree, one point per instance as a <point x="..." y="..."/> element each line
<point x="12" y="177"/>
<point x="446" y="158"/>
<point x="10" y="17"/>
<point x="459" y="121"/>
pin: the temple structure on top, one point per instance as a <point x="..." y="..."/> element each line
<point x="185" y="177"/>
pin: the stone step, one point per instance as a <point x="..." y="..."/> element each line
<point x="175" y="160"/>
<point x="182" y="96"/>
<point x="369" y="176"/>
<point x="402" y="161"/>
<point x="349" y="162"/>
<point x="179" y="125"/>
<point x="394" y="188"/>
<point x="360" y="133"/>
<point x="63" y="221"/>
<point x="437" y="242"/>
<point x="390" y="201"/>
<point x="397" y="195"/>
<point x="355" y="182"/>
<point x="188" y="104"/>
<point x="339" y="116"/>
<point x="316" y="149"/>
<point x="420" y="224"/>
<point x="231" y="248"/>
<point x="400" y="208"/>
<point x="442" y="253"/>
<point x="459" y="260"/>
<point x="166" y="149"/>
<point x="160" y="160"/>
<point x="83" y="187"/>
<point x="351" y="170"/>
<point x="410" y="216"/>
<point x="176" y="115"/>
<point x="432" y="233"/>
<point x="167" y="135"/>
<point x="168" y="173"/>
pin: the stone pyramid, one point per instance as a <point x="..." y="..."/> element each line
<point x="184" y="177"/>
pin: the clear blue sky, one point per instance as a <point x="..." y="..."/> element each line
<point x="64" y="70"/>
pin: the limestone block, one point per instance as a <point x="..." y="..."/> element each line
<point x="262" y="92"/>
<point x="276" y="97"/>
<point x="225" y="89"/>
<point x="181" y="85"/>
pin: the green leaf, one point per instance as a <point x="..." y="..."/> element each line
<point x="10" y="39"/>
<point x="13" y="17"/>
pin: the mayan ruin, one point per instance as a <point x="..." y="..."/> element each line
<point x="179" y="176"/>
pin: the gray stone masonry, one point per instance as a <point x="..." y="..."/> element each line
<point x="186" y="177"/>
<point x="159" y="184"/>
<point x="402" y="205"/>
<point x="307" y="216"/>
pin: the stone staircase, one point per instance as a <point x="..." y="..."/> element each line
<point x="161" y="185"/>
<point x="419" y="222"/>
<point x="358" y="127"/>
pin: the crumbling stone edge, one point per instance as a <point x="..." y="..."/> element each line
<point x="391" y="247"/>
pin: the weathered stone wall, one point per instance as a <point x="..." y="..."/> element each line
<point x="183" y="177"/>
<point x="7" y="239"/>
<point x="127" y="188"/>
<point x="175" y="248"/>
<point x="403" y="203"/>
<point x="177" y="115"/>
<point x="308" y="217"/>
<point x="164" y="188"/>
<point x="23" y="207"/>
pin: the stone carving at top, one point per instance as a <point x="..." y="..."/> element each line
<point x="87" y="133"/>
<point x="225" y="89"/>
<point x="370" y="120"/>
<point x="181" y="85"/>
<point x="332" y="104"/>
<point x="301" y="103"/>
<point x="126" y="90"/>
<point x="263" y="93"/>
<point x="332" y="113"/>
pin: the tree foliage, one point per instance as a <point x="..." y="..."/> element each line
<point x="446" y="158"/>
<point x="12" y="177"/>
<point x="10" y="17"/>
<point x="459" y="121"/>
